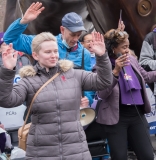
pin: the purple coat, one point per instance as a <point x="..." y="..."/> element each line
<point x="2" y="142"/>
<point x="109" y="108"/>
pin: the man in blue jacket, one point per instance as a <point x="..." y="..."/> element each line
<point x="69" y="46"/>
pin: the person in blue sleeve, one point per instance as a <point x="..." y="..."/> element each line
<point x="68" y="45"/>
<point x="86" y="40"/>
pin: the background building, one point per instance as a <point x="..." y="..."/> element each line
<point x="2" y="13"/>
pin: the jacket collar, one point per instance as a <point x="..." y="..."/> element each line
<point x="41" y="70"/>
<point x="133" y="61"/>
<point x="30" y="71"/>
<point x="59" y="41"/>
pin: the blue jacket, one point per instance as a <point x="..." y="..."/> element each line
<point x="22" y="42"/>
<point x="93" y="60"/>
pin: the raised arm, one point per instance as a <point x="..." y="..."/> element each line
<point x="32" y="13"/>
<point x="21" y="42"/>
<point x="118" y="67"/>
<point x="100" y="80"/>
<point x="103" y="78"/>
<point x="13" y="34"/>
<point x="121" y="25"/>
<point x="10" y="96"/>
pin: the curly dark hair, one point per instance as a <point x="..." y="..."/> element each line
<point x="81" y="39"/>
<point x="113" y="38"/>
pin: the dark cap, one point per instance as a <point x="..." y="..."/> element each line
<point x="73" y="22"/>
<point x="1" y="38"/>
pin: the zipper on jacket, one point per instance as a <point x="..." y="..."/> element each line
<point x="59" y="123"/>
<point x="67" y="54"/>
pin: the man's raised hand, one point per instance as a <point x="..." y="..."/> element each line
<point x="32" y="12"/>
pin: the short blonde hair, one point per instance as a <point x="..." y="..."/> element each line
<point x="39" y="39"/>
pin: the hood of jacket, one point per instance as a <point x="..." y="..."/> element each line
<point x="30" y="71"/>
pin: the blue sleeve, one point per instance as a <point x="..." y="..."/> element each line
<point x="87" y="60"/>
<point x="90" y="95"/>
<point x="21" y="42"/>
<point x="87" y="67"/>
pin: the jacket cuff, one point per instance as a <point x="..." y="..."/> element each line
<point x="23" y="25"/>
<point x="7" y="74"/>
<point x="117" y="77"/>
<point x="104" y="56"/>
<point x="102" y="59"/>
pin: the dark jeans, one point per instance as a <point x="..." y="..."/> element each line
<point x="133" y="130"/>
<point x="95" y="132"/>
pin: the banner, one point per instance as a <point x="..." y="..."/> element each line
<point x="12" y="118"/>
<point x="16" y="79"/>
<point x="151" y="117"/>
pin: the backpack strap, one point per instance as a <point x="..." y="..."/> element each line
<point x="82" y="62"/>
<point x="82" y="66"/>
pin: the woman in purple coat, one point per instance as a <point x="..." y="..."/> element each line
<point x="125" y="102"/>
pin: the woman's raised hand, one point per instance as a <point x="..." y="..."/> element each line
<point x="121" y="25"/>
<point x="9" y="58"/>
<point x="32" y="12"/>
<point x="97" y="45"/>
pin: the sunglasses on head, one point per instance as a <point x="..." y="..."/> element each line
<point x="122" y="33"/>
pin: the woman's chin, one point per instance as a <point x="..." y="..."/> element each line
<point x="52" y="65"/>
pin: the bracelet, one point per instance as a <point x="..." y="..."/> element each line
<point x="115" y="75"/>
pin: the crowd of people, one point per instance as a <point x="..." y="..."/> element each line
<point x="118" y="80"/>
